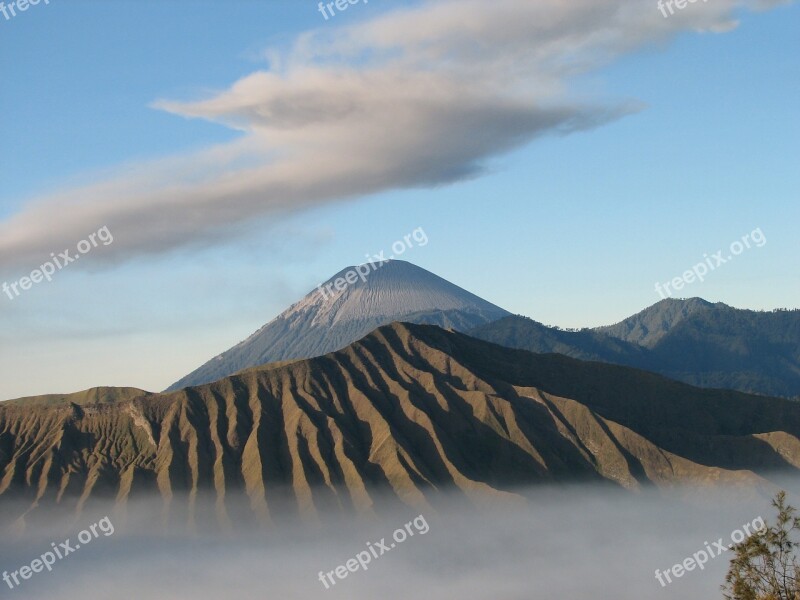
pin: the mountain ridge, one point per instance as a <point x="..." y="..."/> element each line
<point x="694" y="341"/>
<point x="406" y="412"/>
<point x="94" y="395"/>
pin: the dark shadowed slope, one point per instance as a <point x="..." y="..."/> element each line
<point x="586" y="344"/>
<point x="647" y="327"/>
<point x="709" y="345"/>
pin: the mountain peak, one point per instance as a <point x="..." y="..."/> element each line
<point x="647" y="327"/>
<point x="346" y="307"/>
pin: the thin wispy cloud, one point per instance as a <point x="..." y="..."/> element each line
<point x="418" y="97"/>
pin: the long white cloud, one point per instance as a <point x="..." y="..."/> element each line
<point x="419" y="97"/>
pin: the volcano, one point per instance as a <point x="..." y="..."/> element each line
<point x="338" y="312"/>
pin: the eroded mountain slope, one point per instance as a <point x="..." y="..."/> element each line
<point x="400" y="416"/>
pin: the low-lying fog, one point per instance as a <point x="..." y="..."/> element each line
<point x="570" y="543"/>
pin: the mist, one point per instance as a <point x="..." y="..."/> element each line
<point x="569" y="542"/>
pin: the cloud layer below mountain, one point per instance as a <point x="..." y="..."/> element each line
<point x="582" y="542"/>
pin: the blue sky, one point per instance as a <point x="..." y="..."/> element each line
<point x="700" y="149"/>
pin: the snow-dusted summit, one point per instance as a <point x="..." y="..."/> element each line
<point x="331" y="317"/>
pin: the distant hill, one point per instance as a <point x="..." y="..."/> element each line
<point x="97" y="395"/>
<point x="705" y="344"/>
<point x="586" y="344"/>
<point x="327" y="319"/>
<point x="647" y="327"/>
<point x="402" y="415"/>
